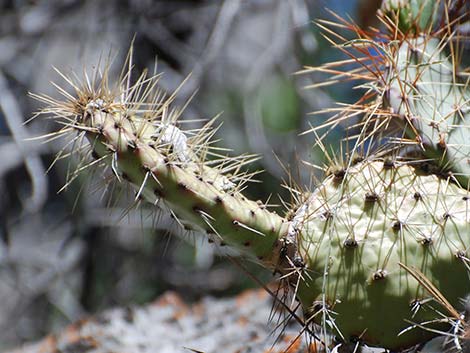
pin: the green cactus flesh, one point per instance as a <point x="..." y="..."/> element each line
<point x="427" y="92"/>
<point x="354" y="235"/>
<point x="194" y="192"/>
<point x="412" y="15"/>
<point x="141" y="144"/>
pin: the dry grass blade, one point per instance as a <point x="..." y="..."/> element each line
<point x="432" y="290"/>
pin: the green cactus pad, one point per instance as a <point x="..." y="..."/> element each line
<point x="354" y="236"/>
<point x="426" y="90"/>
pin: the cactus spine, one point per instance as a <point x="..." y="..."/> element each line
<point x="356" y="247"/>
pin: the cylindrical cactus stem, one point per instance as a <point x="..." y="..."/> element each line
<point x="359" y="234"/>
<point x="166" y="165"/>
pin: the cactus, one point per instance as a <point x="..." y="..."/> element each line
<point x="435" y="104"/>
<point x="417" y="103"/>
<point x="365" y="249"/>
<point x="412" y="16"/>
<point x="135" y="134"/>
<point x="358" y="232"/>
<point x="427" y="90"/>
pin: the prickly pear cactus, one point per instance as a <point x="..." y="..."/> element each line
<point x="379" y="232"/>
<point x="427" y="91"/>
<point x="379" y="250"/>
<point x="144" y="147"/>
<point x="358" y="235"/>
<point x="343" y="247"/>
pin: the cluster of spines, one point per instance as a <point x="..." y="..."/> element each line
<point x="133" y="130"/>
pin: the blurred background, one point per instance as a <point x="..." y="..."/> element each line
<point x="64" y="255"/>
